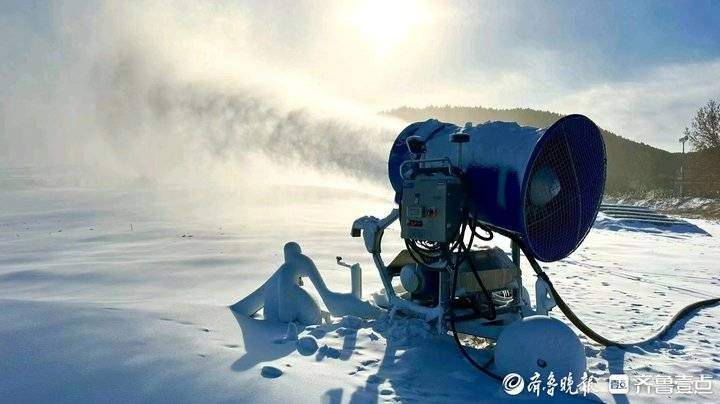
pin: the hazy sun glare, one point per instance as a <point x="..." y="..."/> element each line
<point x="385" y="24"/>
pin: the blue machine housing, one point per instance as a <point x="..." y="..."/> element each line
<point x="500" y="163"/>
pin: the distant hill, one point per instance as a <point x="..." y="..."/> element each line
<point x="632" y="167"/>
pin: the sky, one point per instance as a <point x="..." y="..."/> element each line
<point x="638" y="68"/>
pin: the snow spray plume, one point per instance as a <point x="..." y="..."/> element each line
<point x="159" y="124"/>
<point x="125" y="96"/>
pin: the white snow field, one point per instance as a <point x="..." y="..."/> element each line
<point x="121" y="295"/>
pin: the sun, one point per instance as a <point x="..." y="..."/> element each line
<point x="386" y="24"/>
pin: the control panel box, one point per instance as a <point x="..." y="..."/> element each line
<point x="431" y="208"/>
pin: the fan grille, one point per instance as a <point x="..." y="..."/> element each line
<point x="574" y="149"/>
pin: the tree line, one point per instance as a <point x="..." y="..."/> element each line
<point x="633" y="167"/>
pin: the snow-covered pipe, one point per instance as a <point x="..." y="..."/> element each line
<point x="355" y="277"/>
<point x="253" y="302"/>
<point x="356" y="280"/>
<point x="284" y="300"/>
<point x="342" y="304"/>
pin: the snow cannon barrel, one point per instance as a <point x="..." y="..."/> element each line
<point x="541" y="186"/>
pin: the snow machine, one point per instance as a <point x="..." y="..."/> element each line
<point x="456" y="187"/>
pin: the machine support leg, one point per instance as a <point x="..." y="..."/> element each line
<point x="515" y="248"/>
<point x="356" y="280"/>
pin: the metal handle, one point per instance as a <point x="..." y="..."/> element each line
<point x="446" y="160"/>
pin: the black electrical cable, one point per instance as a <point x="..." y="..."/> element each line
<point x="414" y="254"/>
<point x="422" y="252"/>
<point x="461" y="235"/>
<point x="423" y="256"/>
<point x="420" y="255"/>
<point x="592" y="334"/>
<point x="487" y="294"/>
<point x="428" y="253"/>
<point x="453" y="327"/>
<point x="474" y="271"/>
<point x="482" y="368"/>
<point x="485" y="229"/>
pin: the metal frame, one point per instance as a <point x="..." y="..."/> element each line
<point x="372" y="231"/>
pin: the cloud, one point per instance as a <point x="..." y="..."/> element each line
<point x="653" y="109"/>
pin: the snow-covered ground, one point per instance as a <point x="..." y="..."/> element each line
<point x="121" y="294"/>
